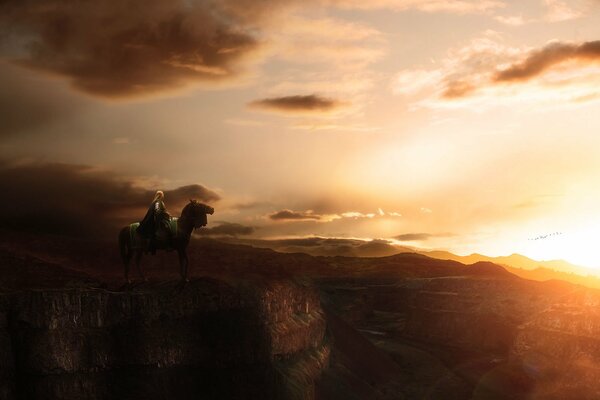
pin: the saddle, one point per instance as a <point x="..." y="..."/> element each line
<point x="139" y="242"/>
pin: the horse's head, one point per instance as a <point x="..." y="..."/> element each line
<point x="197" y="211"/>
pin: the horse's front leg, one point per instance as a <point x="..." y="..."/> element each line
<point x="183" y="264"/>
<point x="138" y="258"/>
<point x="187" y="264"/>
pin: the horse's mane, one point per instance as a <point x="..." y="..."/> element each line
<point x="194" y="204"/>
<point x="186" y="209"/>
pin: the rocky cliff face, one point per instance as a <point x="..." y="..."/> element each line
<point x="206" y="340"/>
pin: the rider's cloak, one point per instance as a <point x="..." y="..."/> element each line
<point x="155" y="216"/>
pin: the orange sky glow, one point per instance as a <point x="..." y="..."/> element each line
<point x="472" y="123"/>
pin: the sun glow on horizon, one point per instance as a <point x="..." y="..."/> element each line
<point x="577" y="247"/>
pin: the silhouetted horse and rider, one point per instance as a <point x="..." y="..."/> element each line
<point x="159" y="230"/>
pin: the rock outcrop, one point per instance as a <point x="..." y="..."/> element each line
<point x="209" y="340"/>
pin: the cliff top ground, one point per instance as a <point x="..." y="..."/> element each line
<point x="30" y="261"/>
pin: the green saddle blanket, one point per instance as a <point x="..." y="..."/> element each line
<point x="139" y="241"/>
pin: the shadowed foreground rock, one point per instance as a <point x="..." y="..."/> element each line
<point x="208" y="340"/>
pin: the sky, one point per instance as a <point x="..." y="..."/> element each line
<point x="470" y="126"/>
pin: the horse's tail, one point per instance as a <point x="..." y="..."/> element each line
<point x="124" y="244"/>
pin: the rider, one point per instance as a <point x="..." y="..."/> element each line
<point x="156" y="218"/>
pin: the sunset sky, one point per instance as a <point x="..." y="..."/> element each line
<point x="471" y="126"/>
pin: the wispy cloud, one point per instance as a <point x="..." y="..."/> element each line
<point x="121" y="140"/>
<point x="410" y="237"/>
<point x="286" y="215"/>
<point x="431" y="6"/>
<point x="356" y="215"/>
<point x="487" y="72"/>
<point x="512" y="20"/>
<point x="243" y="122"/>
<point x="312" y="103"/>
<point x="328" y="57"/>
<point x="326" y="126"/>
<point x="227" y="229"/>
<point x="559" y="10"/>
<point x="414" y="237"/>
<point x="335" y="42"/>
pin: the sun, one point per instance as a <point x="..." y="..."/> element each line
<point x="580" y="246"/>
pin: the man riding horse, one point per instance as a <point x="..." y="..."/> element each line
<point x="157" y="219"/>
<point x="178" y="232"/>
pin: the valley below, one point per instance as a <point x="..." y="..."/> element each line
<point x="255" y="323"/>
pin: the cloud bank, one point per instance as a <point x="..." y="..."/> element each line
<point x="79" y="200"/>
<point x="120" y="49"/>
<point x="539" y="61"/>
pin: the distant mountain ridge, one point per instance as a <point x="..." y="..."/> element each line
<point x="517" y="264"/>
<point x="514" y="260"/>
<point x="323" y="246"/>
<point x="528" y="268"/>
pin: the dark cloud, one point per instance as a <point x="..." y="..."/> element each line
<point x="294" y="215"/>
<point x="538" y="61"/>
<point x="115" y="49"/>
<point x="298" y="103"/>
<point x="76" y="199"/>
<point x="228" y="229"/>
<point x="249" y="205"/>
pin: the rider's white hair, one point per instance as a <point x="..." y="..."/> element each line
<point x="158" y="196"/>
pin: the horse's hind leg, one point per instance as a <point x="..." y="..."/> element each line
<point x="126" y="251"/>
<point x="127" y="264"/>
<point x="126" y="261"/>
<point x="138" y="257"/>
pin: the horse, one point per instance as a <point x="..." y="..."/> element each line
<point x="132" y="244"/>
